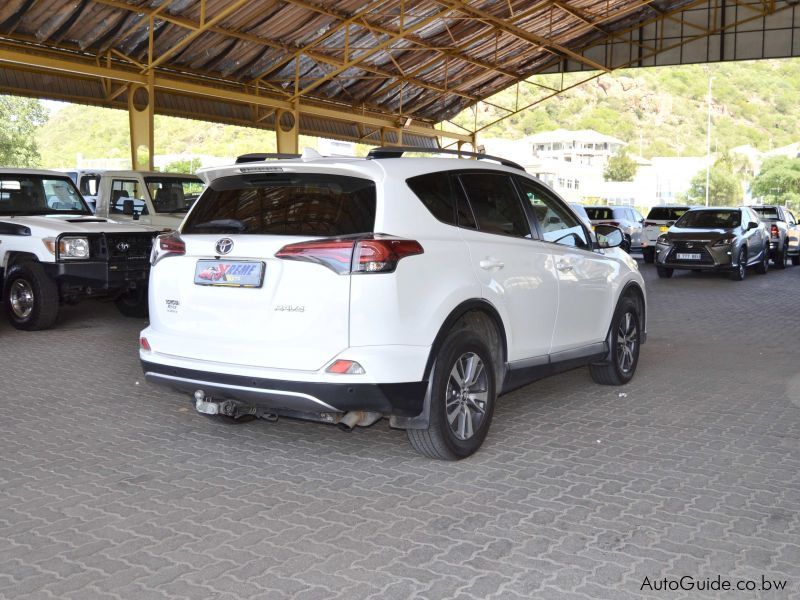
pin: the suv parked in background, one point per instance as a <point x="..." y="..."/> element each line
<point x="714" y="239"/>
<point x="53" y="251"/>
<point x="346" y="290"/>
<point x="658" y="221"/>
<point x="784" y="233"/>
<point x="626" y="218"/>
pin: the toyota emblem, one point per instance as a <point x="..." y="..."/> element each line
<point x="224" y="246"/>
<point x="123" y="246"/>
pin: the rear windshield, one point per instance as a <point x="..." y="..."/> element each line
<point x="285" y="204"/>
<point x="710" y="219"/>
<point x="665" y="213"/>
<point x="599" y="214"/>
<point x="767" y="213"/>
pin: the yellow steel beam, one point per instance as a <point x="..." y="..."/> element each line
<point x="70" y="65"/>
<point x="198" y="30"/>
<point x="521" y="33"/>
<point x="317" y="56"/>
<point x="378" y="48"/>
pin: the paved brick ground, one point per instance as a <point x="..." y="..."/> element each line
<point x="112" y="488"/>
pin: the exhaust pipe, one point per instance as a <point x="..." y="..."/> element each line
<point x="357" y="418"/>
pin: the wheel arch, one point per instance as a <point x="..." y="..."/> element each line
<point x="463" y="313"/>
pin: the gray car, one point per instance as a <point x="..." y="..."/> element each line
<point x="784" y="233"/>
<point x="714" y="239"/>
<point x="626" y="218"/>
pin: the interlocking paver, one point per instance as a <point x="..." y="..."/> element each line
<point x="111" y="488"/>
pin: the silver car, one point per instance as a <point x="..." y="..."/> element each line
<point x="626" y="218"/>
<point x="714" y="239"/>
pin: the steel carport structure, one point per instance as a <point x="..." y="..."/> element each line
<point x="382" y="72"/>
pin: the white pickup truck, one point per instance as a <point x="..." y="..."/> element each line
<point x="151" y="198"/>
<point x="54" y="251"/>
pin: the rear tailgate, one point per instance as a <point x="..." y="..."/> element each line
<point x="296" y="319"/>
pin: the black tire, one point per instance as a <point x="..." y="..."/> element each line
<point x="625" y="339"/>
<point x="664" y="272"/>
<point x="740" y="272"/>
<point x="796" y="259"/>
<point x="133" y="303"/>
<point x="31" y="297"/>
<point x="649" y="255"/>
<point x="440" y="440"/>
<point x="780" y="259"/>
<point x="763" y="266"/>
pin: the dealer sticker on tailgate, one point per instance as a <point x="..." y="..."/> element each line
<point x="229" y="273"/>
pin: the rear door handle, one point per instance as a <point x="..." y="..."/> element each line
<point x="491" y="264"/>
<point x="564" y="267"/>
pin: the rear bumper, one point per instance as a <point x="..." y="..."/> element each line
<point x="401" y="399"/>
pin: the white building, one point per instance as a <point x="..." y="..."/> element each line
<point x="573" y="163"/>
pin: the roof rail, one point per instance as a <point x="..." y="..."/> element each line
<point x="398" y="151"/>
<point x="262" y="156"/>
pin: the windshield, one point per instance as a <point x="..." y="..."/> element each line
<point x="768" y="213"/>
<point x="173" y="194"/>
<point x="40" y="195"/>
<point x="296" y="204"/>
<point x="710" y="219"/>
<point x="666" y="213"/>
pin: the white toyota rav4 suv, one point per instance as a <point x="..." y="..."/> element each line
<point x="418" y="289"/>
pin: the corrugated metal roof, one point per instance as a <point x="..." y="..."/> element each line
<point x="423" y="59"/>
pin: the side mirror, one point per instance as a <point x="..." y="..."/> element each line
<point x="127" y="207"/>
<point x="751" y="225"/>
<point x="608" y="236"/>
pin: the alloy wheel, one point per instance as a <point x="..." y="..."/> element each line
<point x="21" y="298"/>
<point x="627" y="338"/>
<point x="467" y="395"/>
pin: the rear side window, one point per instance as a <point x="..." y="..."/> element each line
<point x="496" y="204"/>
<point x="285" y="204"/>
<point x="444" y="198"/>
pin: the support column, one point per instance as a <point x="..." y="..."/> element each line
<point x="141" y="107"/>
<point x="287" y="131"/>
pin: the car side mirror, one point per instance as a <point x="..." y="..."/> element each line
<point x="127" y="207"/>
<point x="608" y="236"/>
<point x="751" y="225"/>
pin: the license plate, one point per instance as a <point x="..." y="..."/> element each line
<point x="229" y="273"/>
<point x="664" y="228"/>
<point x="684" y="256"/>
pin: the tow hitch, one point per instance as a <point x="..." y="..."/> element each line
<point x="228" y="408"/>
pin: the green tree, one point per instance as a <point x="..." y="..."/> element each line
<point x="19" y="120"/>
<point x="724" y="188"/>
<point x="620" y="167"/>
<point x="778" y="182"/>
<point x="189" y="165"/>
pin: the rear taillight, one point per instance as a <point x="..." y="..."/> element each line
<point x="382" y="255"/>
<point x="366" y="255"/>
<point x="167" y="244"/>
<point x="774" y="232"/>
<point x="144" y="344"/>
